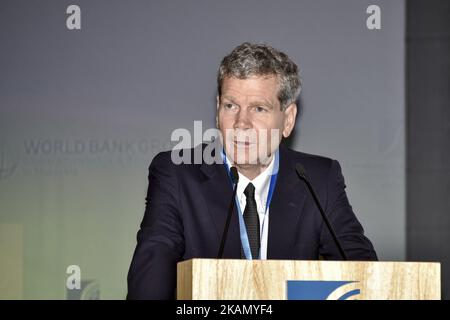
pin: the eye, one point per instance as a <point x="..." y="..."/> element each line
<point x="229" y="106"/>
<point x="260" y="109"/>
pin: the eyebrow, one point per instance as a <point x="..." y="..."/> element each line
<point x="253" y="103"/>
<point x="261" y="103"/>
<point x="228" y="98"/>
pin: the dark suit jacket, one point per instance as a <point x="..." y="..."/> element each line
<point x="187" y="207"/>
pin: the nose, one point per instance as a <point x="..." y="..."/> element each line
<point x="242" y="120"/>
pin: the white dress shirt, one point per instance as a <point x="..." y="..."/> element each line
<point x="261" y="184"/>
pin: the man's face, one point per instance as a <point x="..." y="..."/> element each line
<point x="250" y="119"/>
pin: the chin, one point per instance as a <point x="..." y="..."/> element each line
<point x="243" y="157"/>
<point x="246" y="164"/>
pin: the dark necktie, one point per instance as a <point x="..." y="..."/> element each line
<point x="251" y="219"/>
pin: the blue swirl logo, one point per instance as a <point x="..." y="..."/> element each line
<point x="322" y="290"/>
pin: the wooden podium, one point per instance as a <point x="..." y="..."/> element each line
<point x="213" y="279"/>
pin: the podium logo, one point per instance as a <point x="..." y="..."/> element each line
<point x="322" y="290"/>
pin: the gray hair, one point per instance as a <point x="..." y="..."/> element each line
<point x="250" y="59"/>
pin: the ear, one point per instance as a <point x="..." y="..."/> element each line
<point x="217" y="111"/>
<point x="290" y="113"/>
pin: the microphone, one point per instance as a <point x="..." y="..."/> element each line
<point x="235" y="180"/>
<point x="301" y="173"/>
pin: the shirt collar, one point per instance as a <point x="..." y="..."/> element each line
<point x="261" y="184"/>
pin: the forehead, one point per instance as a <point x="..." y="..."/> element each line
<point x="252" y="87"/>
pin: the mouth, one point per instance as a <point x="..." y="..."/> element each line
<point x="242" y="144"/>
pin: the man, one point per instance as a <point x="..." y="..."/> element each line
<point x="275" y="216"/>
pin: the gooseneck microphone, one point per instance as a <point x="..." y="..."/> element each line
<point x="235" y="180"/>
<point x="301" y="173"/>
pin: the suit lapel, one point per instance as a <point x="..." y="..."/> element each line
<point x="286" y="207"/>
<point x="217" y="192"/>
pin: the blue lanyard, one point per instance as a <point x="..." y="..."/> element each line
<point x="242" y="228"/>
